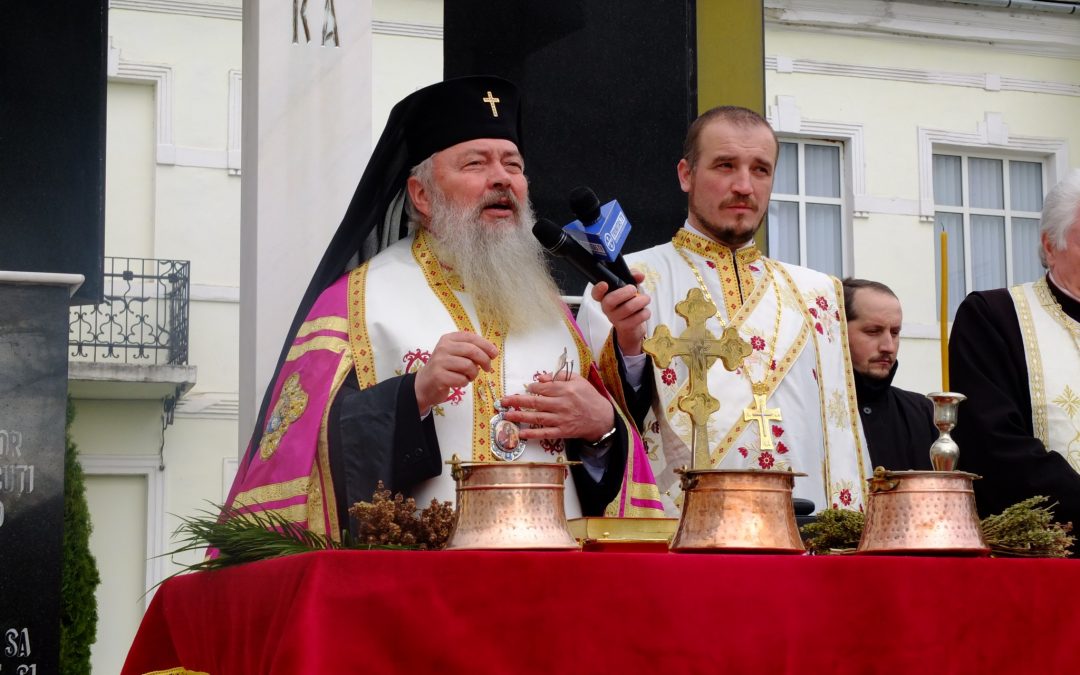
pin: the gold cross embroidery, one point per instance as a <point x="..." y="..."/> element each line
<point x="491" y="100"/>
<point x="699" y="348"/>
<point x="762" y="415"/>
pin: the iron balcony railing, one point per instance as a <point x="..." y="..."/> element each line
<point x="144" y="318"/>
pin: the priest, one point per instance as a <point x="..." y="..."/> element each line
<point x="787" y="401"/>
<point x="899" y="424"/>
<point x="452" y="340"/>
<point x="1015" y="354"/>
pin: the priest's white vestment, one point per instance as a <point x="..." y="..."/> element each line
<point x="793" y="320"/>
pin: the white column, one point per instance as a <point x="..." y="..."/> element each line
<point x="307" y="109"/>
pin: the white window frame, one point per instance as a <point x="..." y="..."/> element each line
<point x="802" y="199"/>
<point x="789" y="124"/>
<point x="991" y="135"/>
<point x="966" y="211"/>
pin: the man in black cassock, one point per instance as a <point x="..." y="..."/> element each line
<point x="1015" y="354"/>
<point x="451" y="340"/>
<point x="899" y="424"/>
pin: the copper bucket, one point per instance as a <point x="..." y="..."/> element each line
<point x="511" y="505"/>
<point x="738" y="511"/>
<point x="922" y="512"/>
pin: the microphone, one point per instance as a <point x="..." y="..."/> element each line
<point x="601" y="229"/>
<point x="557" y="242"/>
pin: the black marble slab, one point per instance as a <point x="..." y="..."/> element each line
<point x="33" y="399"/>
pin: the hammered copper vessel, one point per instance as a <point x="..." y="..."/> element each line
<point x="511" y="505"/>
<point x="738" y="511"/>
<point x="922" y="512"/>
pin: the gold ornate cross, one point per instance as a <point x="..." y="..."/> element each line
<point x="699" y="348"/>
<point x="762" y="415"/>
<point x="491" y="100"/>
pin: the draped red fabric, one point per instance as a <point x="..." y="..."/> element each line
<point x="496" y="612"/>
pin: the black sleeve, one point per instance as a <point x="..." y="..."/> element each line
<point x="994" y="428"/>
<point x="595" y="496"/>
<point x="376" y="434"/>
<point x="638" y="401"/>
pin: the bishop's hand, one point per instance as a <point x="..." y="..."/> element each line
<point x="455" y="362"/>
<point x="566" y="408"/>
<point x="627" y="310"/>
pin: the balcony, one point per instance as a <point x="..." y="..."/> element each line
<point x="134" y="345"/>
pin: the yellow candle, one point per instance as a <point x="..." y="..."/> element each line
<point x="944" y="310"/>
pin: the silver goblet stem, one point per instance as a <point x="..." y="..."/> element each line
<point x="944" y="453"/>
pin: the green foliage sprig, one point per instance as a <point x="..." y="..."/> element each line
<point x="237" y="536"/>
<point x="1028" y="530"/>
<point x="1024" y="529"/>
<point x="834" y="531"/>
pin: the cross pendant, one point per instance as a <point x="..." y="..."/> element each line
<point x="762" y="415"/>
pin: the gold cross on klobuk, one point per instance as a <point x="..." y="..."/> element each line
<point x="699" y="348"/>
<point x="492" y="100"/>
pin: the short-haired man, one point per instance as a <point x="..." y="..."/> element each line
<point x="899" y="424"/>
<point x="789" y="403"/>
<point x="1015" y="354"/>
<point x="444" y="343"/>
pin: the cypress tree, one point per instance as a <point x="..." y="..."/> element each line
<point x="79" y="578"/>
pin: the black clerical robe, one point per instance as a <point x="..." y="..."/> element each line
<point x="994" y="428"/>
<point x="899" y="424"/>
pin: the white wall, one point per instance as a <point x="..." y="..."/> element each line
<point x="862" y="80"/>
<point x="129" y="171"/>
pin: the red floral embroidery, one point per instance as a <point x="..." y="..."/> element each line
<point x="822" y="303"/>
<point x="845" y="497"/>
<point x="777" y="431"/>
<point x="758" y="343"/>
<point x="668" y="376"/>
<point x="711" y="264"/>
<point x="765" y="460"/>
<point x="754" y="268"/>
<point x="836" y="315"/>
<point x="781" y="449"/>
<point x="813" y="312"/>
<point x="819" y="329"/>
<point x="456" y="394"/>
<point x="655" y="427"/>
<point x="772" y="365"/>
<point x="744" y="452"/>
<point x="414" y="359"/>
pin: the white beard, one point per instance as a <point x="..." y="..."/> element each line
<point x="501" y="264"/>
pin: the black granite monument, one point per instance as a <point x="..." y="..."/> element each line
<point x="52" y="205"/>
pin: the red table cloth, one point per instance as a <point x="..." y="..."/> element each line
<point x="500" y="612"/>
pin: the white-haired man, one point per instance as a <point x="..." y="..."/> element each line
<point x="446" y="342"/>
<point x="1015" y="354"/>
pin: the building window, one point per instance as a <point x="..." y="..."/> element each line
<point x="990" y="208"/>
<point x="807" y="212"/>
